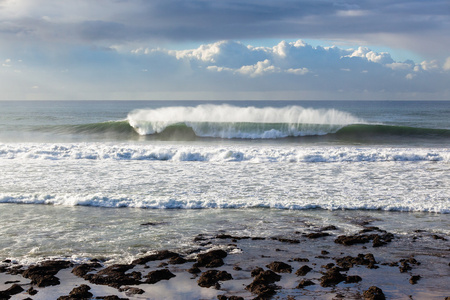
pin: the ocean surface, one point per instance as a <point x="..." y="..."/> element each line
<point x="78" y="179"/>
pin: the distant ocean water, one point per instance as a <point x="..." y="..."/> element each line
<point x="83" y="157"/>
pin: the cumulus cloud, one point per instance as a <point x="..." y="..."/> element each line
<point x="226" y="70"/>
<point x="447" y="64"/>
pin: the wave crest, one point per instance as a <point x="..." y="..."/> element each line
<point x="226" y="121"/>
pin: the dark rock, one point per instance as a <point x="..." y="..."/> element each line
<point x="130" y="291"/>
<point x="280" y="267"/>
<point x="362" y="259"/>
<point x="178" y="260"/>
<point x="305" y="282"/>
<point x="81" y="292"/>
<point x="194" y="270"/>
<point x="111" y="297"/>
<point x="32" y="291"/>
<point x="224" y="236"/>
<point x="263" y="284"/>
<point x="161" y="255"/>
<point x="237" y="268"/>
<point x="353" y="279"/>
<point x="158" y="275"/>
<point x="330" y="227"/>
<point x="316" y="235"/>
<point x="212" y="277"/>
<point x="374" y="293"/>
<point x="328" y="266"/>
<point x="303" y="271"/>
<point x="438" y="237"/>
<point x="211" y="259"/>
<point x="44" y="274"/>
<point x="13" y="281"/>
<point x="256" y="238"/>
<point x="349" y="240"/>
<point x="324" y="252"/>
<point x="83" y="269"/>
<point x="223" y="297"/>
<point x="301" y="259"/>
<point x="414" y="279"/>
<point x="15" y="270"/>
<point x="115" y="276"/>
<point x="332" y="277"/>
<point x="285" y="240"/>
<point x="256" y="271"/>
<point x="12" y="290"/>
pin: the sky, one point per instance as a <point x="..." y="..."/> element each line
<point x="224" y="50"/>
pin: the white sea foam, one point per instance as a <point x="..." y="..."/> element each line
<point x="198" y="176"/>
<point x="98" y="151"/>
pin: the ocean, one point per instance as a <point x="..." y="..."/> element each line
<point x="118" y="179"/>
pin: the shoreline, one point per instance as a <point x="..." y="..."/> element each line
<point x="322" y="263"/>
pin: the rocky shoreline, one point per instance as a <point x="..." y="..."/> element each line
<point x="320" y="264"/>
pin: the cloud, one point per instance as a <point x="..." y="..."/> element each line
<point x="112" y="22"/>
<point x="223" y="70"/>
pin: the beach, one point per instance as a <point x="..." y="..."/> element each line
<point x="409" y="262"/>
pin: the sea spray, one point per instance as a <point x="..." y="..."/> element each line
<point x="226" y="121"/>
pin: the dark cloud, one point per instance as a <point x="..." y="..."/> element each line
<point x="123" y="21"/>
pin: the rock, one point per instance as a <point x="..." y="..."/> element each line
<point x="374" y="293"/>
<point x="32" y="291"/>
<point x="12" y="290"/>
<point x="130" y="291"/>
<point x="115" y="276"/>
<point x="44" y="274"/>
<point x="414" y="279"/>
<point x="379" y="240"/>
<point x="81" y="292"/>
<point x="158" y="275"/>
<point x="332" y="277"/>
<point x="285" y="240"/>
<point x="349" y="240"/>
<point x="194" y="270"/>
<point x="280" y="267"/>
<point x="303" y="271"/>
<point x="83" y="269"/>
<point x="211" y="259"/>
<point x="256" y="271"/>
<point x="330" y="227"/>
<point x="305" y="282"/>
<point x="111" y="297"/>
<point x="178" y="260"/>
<point x="353" y="279"/>
<point x="223" y="297"/>
<point x="15" y="270"/>
<point x="316" y="235"/>
<point x="212" y="277"/>
<point x="438" y="237"/>
<point x="299" y="259"/>
<point x="263" y="284"/>
<point x="362" y="259"/>
<point x="161" y="255"/>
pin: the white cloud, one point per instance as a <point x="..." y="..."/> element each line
<point x="400" y="66"/>
<point x="447" y="64"/>
<point x="299" y="71"/>
<point x="364" y="52"/>
<point x="430" y="65"/>
<point x="258" y="69"/>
